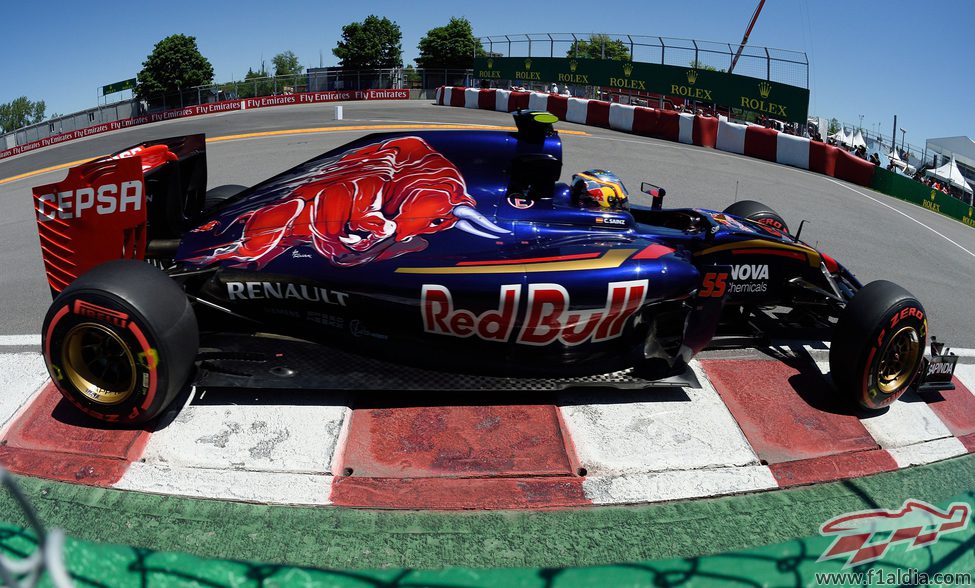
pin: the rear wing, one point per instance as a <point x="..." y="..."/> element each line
<point x="112" y="207"/>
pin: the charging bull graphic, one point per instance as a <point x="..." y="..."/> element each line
<point x="916" y="521"/>
<point x="370" y="204"/>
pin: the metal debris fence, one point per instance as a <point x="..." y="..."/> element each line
<point x="777" y="65"/>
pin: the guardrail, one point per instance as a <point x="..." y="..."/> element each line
<point x="716" y="133"/>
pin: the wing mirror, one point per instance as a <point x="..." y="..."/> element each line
<point x="655" y="192"/>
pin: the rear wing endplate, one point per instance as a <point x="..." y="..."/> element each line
<point x="96" y="214"/>
<point x="109" y="208"/>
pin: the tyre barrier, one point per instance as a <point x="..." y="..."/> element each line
<point x="681" y="127"/>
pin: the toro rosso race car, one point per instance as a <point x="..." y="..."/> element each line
<point x="456" y="250"/>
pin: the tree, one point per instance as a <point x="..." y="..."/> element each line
<point x="593" y="48"/>
<point x="174" y="64"/>
<point x="412" y="77"/>
<point x="20" y="112"/>
<point x="703" y="66"/>
<point x="450" y="46"/>
<point x="286" y="64"/>
<point x="256" y="83"/>
<point x="834" y="126"/>
<point x="373" y="43"/>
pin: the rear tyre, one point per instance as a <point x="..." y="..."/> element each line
<point x="759" y="213"/>
<point x="120" y="342"/>
<point x="878" y="345"/>
<point x="216" y="196"/>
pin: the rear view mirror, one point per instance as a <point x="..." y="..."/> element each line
<point x="655" y="192"/>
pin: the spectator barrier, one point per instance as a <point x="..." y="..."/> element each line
<point x="749" y="140"/>
<point x="213" y="107"/>
<point x="917" y="193"/>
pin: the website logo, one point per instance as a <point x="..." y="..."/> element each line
<point x="865" y="536"/>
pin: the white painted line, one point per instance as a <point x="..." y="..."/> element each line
<point x="19" y="340"/>
<point x="929" y="452"/>
<point x="22" y="375"/>
<point x="677" y="485"/>
<point x="904" y="214"/>
<point x="222" y="484"/>
<point x="693" y="430"/>
<point x="251" y="437"/>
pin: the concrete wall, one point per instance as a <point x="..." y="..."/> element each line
<point x="71" y="122"/>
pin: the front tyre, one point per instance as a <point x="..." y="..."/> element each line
<point x="878" y="344"/>
<point x="758" y="212"/>
<point x="120" y="341"/>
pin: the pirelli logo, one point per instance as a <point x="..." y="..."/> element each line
<point x="100" y="313"/>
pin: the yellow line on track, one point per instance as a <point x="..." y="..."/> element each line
<point x="394" y="127"/>
<point x="38" y="172"/>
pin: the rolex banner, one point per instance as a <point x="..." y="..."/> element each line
<point x="778" y="101"/>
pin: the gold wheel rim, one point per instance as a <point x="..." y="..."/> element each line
<point x="98" y="364"/>
<point x="898" y="360"/>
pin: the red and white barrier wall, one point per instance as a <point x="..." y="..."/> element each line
<point x="753" y="141"/>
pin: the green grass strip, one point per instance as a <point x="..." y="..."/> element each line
<point x="357" y="539"/>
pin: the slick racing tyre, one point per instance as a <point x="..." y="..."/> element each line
<point x="878" y="344"/>
<point x="759" y="213"/>
<point x="120" y="342"/>
<point x="216" y="196"/>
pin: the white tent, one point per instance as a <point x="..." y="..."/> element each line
<point x="858" y="141"/>
<point x="841" y="137"/>
<point x="949" y="173"/>
<point x="896" y="161"/>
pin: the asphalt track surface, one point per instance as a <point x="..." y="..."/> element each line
<point x="876" y="236"/>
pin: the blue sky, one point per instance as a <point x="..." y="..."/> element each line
<point x="871" y="58"/>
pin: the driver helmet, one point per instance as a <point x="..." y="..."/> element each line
<point x="598" y="188"/>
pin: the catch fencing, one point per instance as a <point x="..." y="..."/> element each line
<point x="776" y="65"/>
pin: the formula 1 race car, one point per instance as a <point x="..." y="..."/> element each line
<point x="453" y="250"/>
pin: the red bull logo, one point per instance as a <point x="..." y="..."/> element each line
<point x="548" y="315"/>
<point x="865" y="536"/>
<point x="372" y="203"/>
